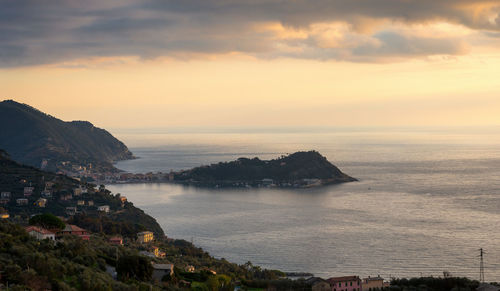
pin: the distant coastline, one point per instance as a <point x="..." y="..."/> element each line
<point x="298" y="170"/>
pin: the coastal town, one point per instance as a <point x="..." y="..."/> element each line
<point x="302" y="169"/>
<point x="108" y="178"/>
<point x="147" y="245"/>
<point x="32" y="201"/>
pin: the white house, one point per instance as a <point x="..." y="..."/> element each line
<point x="103" y="208"/>
<point x="40" y="233"/>
<point x="28" y="191"/>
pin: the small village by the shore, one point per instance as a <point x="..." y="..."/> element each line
<point x="146" y="243"/>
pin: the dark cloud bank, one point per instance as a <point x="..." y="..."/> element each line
<point x="36" y="32"/>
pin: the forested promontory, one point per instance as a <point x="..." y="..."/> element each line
<point x="300" y="169"/>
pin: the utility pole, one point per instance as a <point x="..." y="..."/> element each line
<point x="481" y="266"/>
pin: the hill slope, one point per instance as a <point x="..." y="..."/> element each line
<point x="123" y="218"/>
<point x="299" y="169"/>
<point x="31" y="136"/>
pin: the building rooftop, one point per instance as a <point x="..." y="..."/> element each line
<point x="71" y="227"/>
<point x="314" y="280"/>
<point x="38" y="229"/>
<point x="163" y="266"/>
<point x="343" y="279"/>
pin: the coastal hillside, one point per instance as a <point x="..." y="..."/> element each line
<point x="295" y="170"/>
<point x="26" y="191"/>
<point x="38" y="139"/>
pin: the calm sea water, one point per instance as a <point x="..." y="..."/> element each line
<point x="425" y="203"/>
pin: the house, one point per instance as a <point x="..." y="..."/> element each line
<point x="66" y="197"/>
<point x="71" y="210"/>
<point x="103" y="208"/>
<point x="147" y="254"/>
<point x="40" y="233"/>
<point x="116" y="240"/>
<point x="311" y="182"/>
<point x="49" y="185"/>
<point x="74" y="230"/>
<point x="22" y="201"/>
<point x="160" y="270"/>
<point x="28" y="191"/>
<point x="46" y="193"/>
<point x="155" y="250"/>
<point x="80" y="202"/>
<point x="371" y="283"/>
<point x="145" y="236"/>
<point x="77" y="191"/>
<point x="123" y="200"/>
<point x="41" y="202"/>
<point x="346" y="283"/>
<point x="318" y="284"/>
<point x="90" y="203"/>
<point x="4" y="201"/>
<point x="267" y="182"/>
<point x="5" y="195"/>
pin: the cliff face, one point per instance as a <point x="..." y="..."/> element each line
<point x="31" y="136"/>
<point x="291" y="169"/>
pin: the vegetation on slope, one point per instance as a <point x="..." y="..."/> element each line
<point x="124" y="218"/>
<point x="447" y="283"/>
<point x="31" y="136"/>
<point x="74" y="264"/>
<point x="66" y="265"/>
<point x="291" y="169"/>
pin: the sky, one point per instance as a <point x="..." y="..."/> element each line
<point x="254" y="63"/>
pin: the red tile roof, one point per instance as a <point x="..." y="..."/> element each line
<point x="38" y="229"/>
<point x="73" y="228"/>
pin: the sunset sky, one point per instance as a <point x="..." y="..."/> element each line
<point x="161" y="63"/>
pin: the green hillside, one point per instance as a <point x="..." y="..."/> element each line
<point x="123" y="218"/>
<point x="299" y="169"/>
<point x="31" y="136"/>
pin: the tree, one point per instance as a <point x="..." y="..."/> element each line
<point x="47" y="220"/>
<point x="4" y="154"/>
<point x="134" y="267"/>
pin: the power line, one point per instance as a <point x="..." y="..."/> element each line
<point x="481" y="266"/>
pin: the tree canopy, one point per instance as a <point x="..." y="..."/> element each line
<point x="47" y="220"/>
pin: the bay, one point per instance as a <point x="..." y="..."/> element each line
<point x="427" y="200"/>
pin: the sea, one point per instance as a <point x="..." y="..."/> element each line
<point x="427" y="200"/>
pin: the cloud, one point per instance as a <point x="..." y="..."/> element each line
<point x="43" y="32"/>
